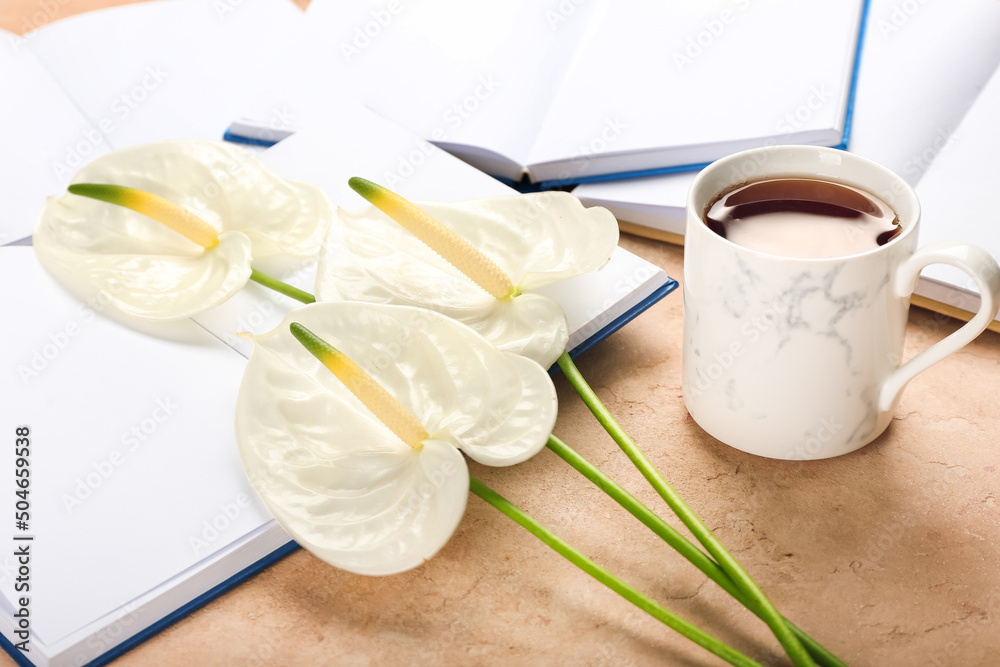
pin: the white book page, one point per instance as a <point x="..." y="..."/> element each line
<point x="380" y="151"/>
<point x="134" y="466"/>
<point x="919" y="74"/>
<point x="695" y="73"/>
<point x="167" y="69"/>
<point x="595" y="300"/>
<point x="653" y="201"/>
<point x="957" y="193"/>
<point x="43" y="130"/>
<point x="107" y="632"/>
<point x="354" y="141"/>
<point x="453" y="72"/>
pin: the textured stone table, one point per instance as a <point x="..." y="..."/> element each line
<point x="888" y="555"/>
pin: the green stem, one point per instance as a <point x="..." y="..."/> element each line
<point x="651" y="520"/>
<point x="793" y="647"/>
<point x="282" y="288"/>
<point x="681" y="544"/>
<point x="616" y="584"/>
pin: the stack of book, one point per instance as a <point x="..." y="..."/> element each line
<point x="553" y="97"/>
<point x="926" y="91"/>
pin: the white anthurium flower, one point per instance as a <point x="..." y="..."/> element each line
<point x="482" y="260"/>
<point x="363" y="465"/>
<point x="190" y="217"/>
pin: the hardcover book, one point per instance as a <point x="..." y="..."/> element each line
<point x="139" y="508"/>
<point x="580" y="92"/>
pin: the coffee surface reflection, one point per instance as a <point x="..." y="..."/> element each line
<point x="803" y="218"/>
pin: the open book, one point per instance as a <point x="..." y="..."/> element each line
<point x="916" y="79"/>
<point x="955" y="194"/>
<point x="918" y="112"/>
<point x="576" y="91"/>
<point x="113" y="78"/>
<point x="140" y="510"/>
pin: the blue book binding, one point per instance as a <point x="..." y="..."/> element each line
<point x="24" y="659"/>
<point x="248" y="131"/>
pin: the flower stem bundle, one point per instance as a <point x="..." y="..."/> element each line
<point x="367" y="470"/>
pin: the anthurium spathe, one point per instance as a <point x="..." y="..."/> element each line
<point x="516" y="244"/>
<point x="348" y="484"/>
<point x="114" y="231"/>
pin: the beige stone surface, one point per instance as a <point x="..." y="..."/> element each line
<point x="888" y="555"/>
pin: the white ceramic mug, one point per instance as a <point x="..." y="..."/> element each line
<point x="801" y="358"/>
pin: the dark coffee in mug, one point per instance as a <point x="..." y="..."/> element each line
<point x="802" y="218"/>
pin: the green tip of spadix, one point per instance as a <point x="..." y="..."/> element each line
<point x="372" y="395"/>
<point x="438" y="237"/>
<point x="113" y="194"/>
<point x="364" y="187"/>
<point x="158" y="208"/>
<point x="316" y="346"/>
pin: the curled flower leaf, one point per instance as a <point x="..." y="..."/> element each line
<point x="150" y="270"/>
<point x="535" y="239"/>
<point x="338" y="479"/>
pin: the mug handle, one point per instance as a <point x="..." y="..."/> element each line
<point x="982" y="268"/>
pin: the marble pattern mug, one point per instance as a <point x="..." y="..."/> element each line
<point x="802" y="358"/>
